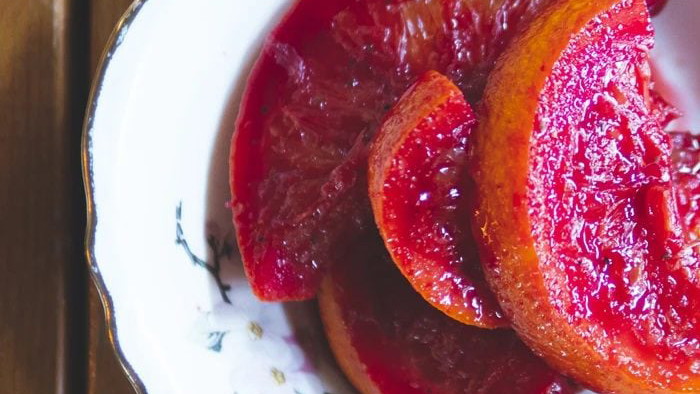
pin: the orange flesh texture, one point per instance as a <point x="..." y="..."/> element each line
<point x="421" y="203"/>
<point x="580" y="233"/>
<point x="388" y="340"/>
<point x="686" y="176"/>
<point x="325" y="78"/>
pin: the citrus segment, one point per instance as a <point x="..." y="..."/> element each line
<point x="686" y="177"/>
<point x="324" y="80"/>
<point x="421" y="196"/>
<point x="390" y="341"/>
<point x="582" y="237"/>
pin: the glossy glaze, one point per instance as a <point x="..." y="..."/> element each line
<point x="607" y="230"/>
<point x="390" y="341"/>
<point x="686" y="177"/>
<point x="325" y="78"/>
<point x="580" y="230"/>
<point x="422" y="199"/>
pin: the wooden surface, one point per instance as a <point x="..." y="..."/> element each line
<point x="52" y="333"/>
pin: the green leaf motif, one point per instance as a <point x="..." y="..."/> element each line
<point x="219" y="249"/>
<point x="216" y="339"/>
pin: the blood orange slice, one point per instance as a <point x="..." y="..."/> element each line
<point x="325" y="78"/>
<point x="420" y="194"/>
<point x="582" y="237"/>
<point x="390" y="341"/>
<point x="686" y="159"/>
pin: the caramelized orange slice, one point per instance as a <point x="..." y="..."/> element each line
<point x="421" y="197"/>
<point x="583" y="241"/>
<point x="326" y="77"/>
<point x="389" y="341"/>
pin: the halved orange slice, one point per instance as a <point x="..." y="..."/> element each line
<point x="390" y="341"/>
<point x="582" y="239"/>
<point x="422" y="199"/>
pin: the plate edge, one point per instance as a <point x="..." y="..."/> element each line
<point x="113" y="43"/>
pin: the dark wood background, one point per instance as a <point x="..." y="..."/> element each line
<point x="52" y="332"/>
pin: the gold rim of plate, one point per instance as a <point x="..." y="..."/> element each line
<point x="86" y="159"/>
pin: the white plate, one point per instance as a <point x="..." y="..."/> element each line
<point x="155" y="158"/>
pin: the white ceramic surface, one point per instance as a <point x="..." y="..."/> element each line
<point x="155" y="156"/>
<point x="158" y="145"/>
